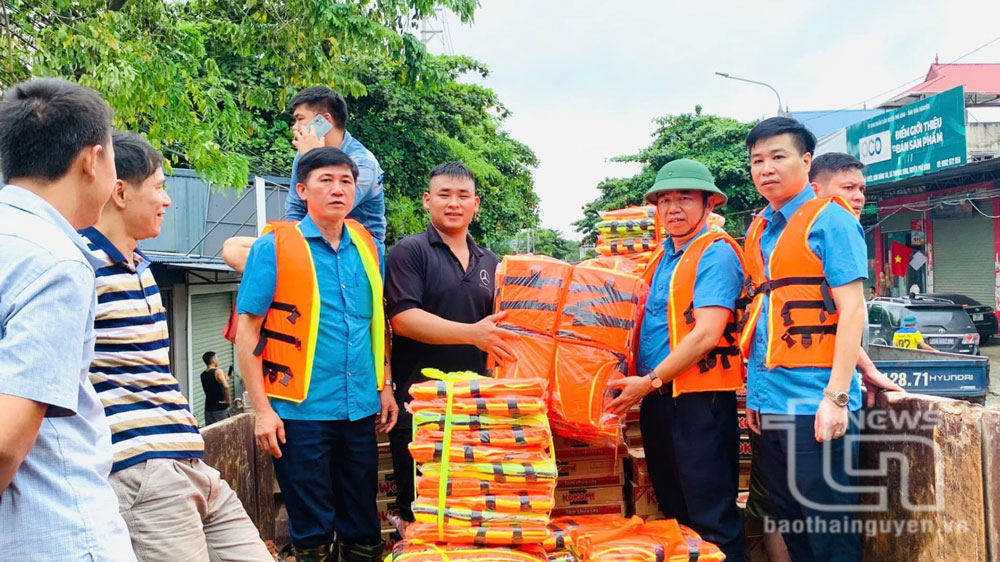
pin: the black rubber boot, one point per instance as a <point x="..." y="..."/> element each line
<point x="322" y="553"/>
<point x="356" y="552"/>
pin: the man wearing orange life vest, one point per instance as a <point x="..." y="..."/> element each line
<point x="805" y="260"/>
<point x="311" y="337"/>
<point x="688" y="362"/>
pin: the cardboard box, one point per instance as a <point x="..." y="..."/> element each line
<point x="744" y="483"/>
<point x="569" y="449"/>
<point x="633" y="435"/>
<point x="587" y="467"/>
<point x="590" y="481"/>
<point x="637" y="460"/>
<point x="578" y="510"/>
<point x="644" y="500"/>
<point x="386" y="484"/>
<point x="386" y="508"/>
<point x="384" y="457"/>
<point x="745" y="451"/>
<point x="589" y="496"/>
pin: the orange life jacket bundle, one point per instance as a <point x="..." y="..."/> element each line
<point x="578" y="327"/>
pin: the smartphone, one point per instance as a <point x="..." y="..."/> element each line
<point x="320" y="125"/>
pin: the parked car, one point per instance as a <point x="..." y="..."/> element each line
<point x="946" y="326"/>
<point x="984" y="317"/>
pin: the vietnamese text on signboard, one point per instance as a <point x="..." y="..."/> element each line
<point x="916" y="139"/>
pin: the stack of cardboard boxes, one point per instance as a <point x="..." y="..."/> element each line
<point x="591" y="479"/>
<point x="386" y="499"/>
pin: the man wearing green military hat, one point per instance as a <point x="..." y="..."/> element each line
<point x="689" y="366"/>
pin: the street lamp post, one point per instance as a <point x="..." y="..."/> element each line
<point x="726" y="75"/>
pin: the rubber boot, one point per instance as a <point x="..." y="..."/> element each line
<point x="356" y="552"/>
<point x="322" y="553"/>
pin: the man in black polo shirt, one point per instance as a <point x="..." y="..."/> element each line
<point x="439" y="288"/>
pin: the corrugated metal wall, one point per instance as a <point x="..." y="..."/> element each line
<point x="963" y="257"/>
<point x="209" y="314"/>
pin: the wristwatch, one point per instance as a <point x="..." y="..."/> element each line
<point x="654" y="381"/>
<point x="839" y="398"/>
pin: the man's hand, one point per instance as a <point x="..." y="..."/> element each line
<point x="269" y="431"/>
<point x="874" y="381"/>
<point x="493" y="339"/>
<point x="390" y="410"/>
<point x="634" y="389"/>
<point x="753" y="420"/>
<point x="304" y="142"/>
<point x="831" y="421"/>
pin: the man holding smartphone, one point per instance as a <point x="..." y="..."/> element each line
<point x="321" y="120"/>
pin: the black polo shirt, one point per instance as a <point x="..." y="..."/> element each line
<point x="422" y="272"/>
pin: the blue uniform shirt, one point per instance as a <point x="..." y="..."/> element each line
<point x="59" y="505"/>
<point x="369" y="199"/>
<point x="342" y="386"/>
<point x="718" y="282"/>
<point x="837" y="238"/>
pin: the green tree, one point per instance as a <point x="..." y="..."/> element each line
<point x="717" y="142"/>
<point x="550" y="242"/>
<point x="208" y="82"/>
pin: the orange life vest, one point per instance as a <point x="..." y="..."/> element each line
<point x="802" y="315"/>
<point x="721" y="368"/>
<point x="287" y="342"/>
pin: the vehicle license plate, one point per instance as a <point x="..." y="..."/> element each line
<point x="977" y="317"/>
<point x="939" y="341"/>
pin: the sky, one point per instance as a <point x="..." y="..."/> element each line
<point x="585" y="79"/>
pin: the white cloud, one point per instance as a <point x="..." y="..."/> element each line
<point x="584" y="79"/>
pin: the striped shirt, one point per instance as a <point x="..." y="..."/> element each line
<point x="148" y="415"/>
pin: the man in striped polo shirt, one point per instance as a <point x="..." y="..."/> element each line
<point x="176" y="507"/>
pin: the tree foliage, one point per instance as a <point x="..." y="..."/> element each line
<point x="208" y="82"/>
<point x="717" y="142"/>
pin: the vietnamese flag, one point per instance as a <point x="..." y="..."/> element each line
<point x="899" y="258"/>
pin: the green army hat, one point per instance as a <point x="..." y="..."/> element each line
<point x="685" y="174"/>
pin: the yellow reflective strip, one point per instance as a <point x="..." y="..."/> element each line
<point x="370" y="263"/>
<point x="313" y="317"/>
<point x="445" y="458"/>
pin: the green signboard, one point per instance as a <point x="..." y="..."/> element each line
<point x="916" y="139"/>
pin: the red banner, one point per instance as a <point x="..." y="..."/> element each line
<point x="899" y="258"/>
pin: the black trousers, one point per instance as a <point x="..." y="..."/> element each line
<point x="692" y="453"/>
<point x="328" y="474"/>
<point x="822" y="528"/>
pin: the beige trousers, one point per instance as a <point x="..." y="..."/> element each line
<point x="179" y="510"/>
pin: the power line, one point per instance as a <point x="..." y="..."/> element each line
<point x="894" y="88"/>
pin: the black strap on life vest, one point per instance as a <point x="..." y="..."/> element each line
<point x="291" y="309"/>
<point x="528" y="305"/>
<point x="519" y="435"/>
<point x="271" y="370"/>
<point x="771" y="284"/>
<point x="713" y="357"/>
<point x="659" y="553"/>
<point x="806" y="333"/>
<point x="266" y="334"/>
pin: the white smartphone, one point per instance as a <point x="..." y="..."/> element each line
<point x="320" y="125"/>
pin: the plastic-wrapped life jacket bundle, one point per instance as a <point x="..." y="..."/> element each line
<point x="462" y="487"/>
<point x="567" y="532"/>
<point x="521" y="437"/>
<point x="493" y="405"/>
<point x="482" y="482"/>
<point x="578" y="328"/>
<point x="480" y="388"/>
<point x="421" y="551"/>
